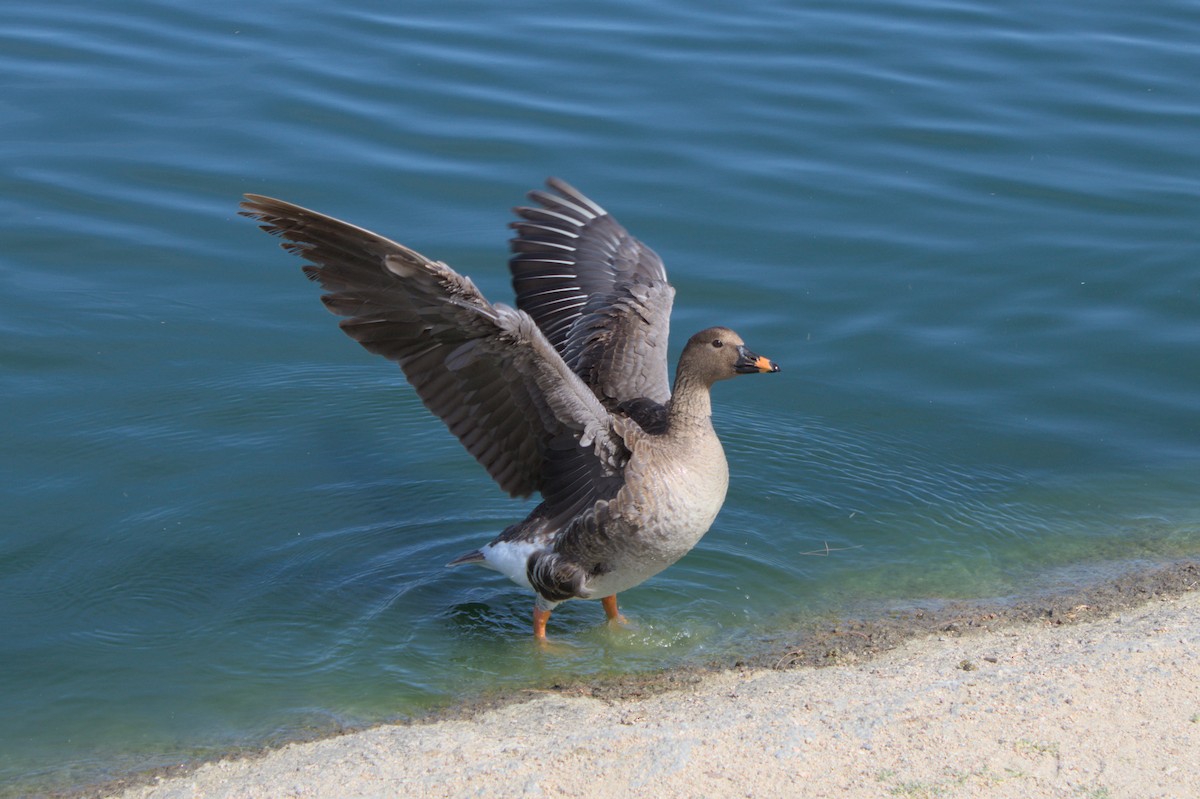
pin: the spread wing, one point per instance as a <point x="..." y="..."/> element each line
<point x="486" y="370"/>
<point x="600" y="295"/>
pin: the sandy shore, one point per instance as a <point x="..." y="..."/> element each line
<point x="1101" y="708"/>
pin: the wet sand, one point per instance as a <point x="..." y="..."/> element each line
<point x="1092" y="693"/>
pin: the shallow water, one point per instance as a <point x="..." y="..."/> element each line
<point x="967" y="233"/>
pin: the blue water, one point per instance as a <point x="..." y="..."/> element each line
<point x="968" y="233"/>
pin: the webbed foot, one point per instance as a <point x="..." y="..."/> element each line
<point x="615" y="619"/>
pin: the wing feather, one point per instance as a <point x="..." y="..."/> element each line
<point x="600" y="296"/>
<point x="486" y="370"/>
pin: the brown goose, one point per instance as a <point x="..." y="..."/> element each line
<point x="566" y="396"/>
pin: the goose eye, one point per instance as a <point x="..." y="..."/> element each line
<point x="718" y="343"/>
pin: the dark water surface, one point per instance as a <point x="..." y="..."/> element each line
<point x="968" y="233"/>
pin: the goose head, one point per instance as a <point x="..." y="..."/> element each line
<point x="718" y="353"/>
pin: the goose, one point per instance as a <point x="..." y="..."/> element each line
<point x="566" y="395"/>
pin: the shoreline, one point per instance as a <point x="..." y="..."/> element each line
<point x="930" y="701"/>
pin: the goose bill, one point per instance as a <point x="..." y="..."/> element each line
<point x="750" y="363"/>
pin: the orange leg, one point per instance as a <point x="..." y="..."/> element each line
<point x="540" y="617"/>
<point x="610" y="610"/>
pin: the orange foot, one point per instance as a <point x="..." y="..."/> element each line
<point x="610" y="610"/>
<point x="540" y="617"/>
